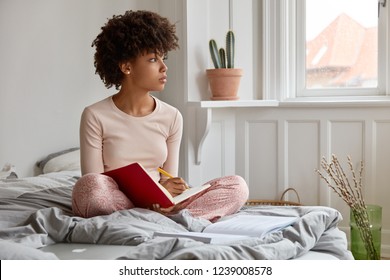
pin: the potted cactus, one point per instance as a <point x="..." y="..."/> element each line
<point x="224" y="80"/>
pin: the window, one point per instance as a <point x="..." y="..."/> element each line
<point x="333" y="48"/>
<point x="339" y="47"/>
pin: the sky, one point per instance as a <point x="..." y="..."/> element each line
<point x="321" y="13"/>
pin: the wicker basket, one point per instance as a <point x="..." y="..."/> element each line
<point x="281" y="202"/>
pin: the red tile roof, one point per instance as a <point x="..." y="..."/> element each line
<point x="345" y="51"/>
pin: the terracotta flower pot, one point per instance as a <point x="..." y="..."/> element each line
<point x="224" y="83"/>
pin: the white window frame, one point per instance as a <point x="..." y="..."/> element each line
<point x="284" y="58"/>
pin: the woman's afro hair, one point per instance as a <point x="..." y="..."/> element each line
<point x="125" y="37"/>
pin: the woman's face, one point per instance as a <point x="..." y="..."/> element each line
<point x="148" y="72"/>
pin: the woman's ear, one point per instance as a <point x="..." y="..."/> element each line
<point x="125" y="67"/>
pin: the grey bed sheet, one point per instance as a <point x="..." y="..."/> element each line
<point x="36" y="211"/>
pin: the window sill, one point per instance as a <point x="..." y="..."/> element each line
<point x="234" y="103"/>
<point x="357" y="102"/>
<point x="363" y="101"/>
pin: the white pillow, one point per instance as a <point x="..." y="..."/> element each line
<point x="8" y="172"/>
<point x="67" y="160"/>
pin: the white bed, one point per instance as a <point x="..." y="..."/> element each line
<point x="35" y="214"/>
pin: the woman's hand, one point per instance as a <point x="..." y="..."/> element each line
<point x="164" y="211"/>
<point x="175" y="186"/>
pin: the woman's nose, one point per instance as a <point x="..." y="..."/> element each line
<point x="164" y="67"/>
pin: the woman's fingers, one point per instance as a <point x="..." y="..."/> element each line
<point x="157" y="208"/>
<point x="176" y="186"/>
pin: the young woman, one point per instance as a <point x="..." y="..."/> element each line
<point x="133" y="126"/>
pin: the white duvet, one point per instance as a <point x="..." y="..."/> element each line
<point x="42" y="215"/>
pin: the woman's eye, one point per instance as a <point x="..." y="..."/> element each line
<point x="155" y="59"/>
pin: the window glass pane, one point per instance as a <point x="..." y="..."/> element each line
<point x="341" y="44"/>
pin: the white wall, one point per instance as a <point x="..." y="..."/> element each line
<point x="46" y="73"/>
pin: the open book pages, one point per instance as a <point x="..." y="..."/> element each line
<point x="236" y="228"/>
<point x="187" y="193"/>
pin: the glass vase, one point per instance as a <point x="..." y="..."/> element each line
<point x="370" y="247"/>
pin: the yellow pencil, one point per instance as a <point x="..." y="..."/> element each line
<point x="162" y="171"/>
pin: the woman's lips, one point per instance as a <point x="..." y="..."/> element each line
<point x="163" y="79"/>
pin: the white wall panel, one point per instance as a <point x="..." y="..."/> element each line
<point x="303" y="155"/>
<point x="217" y="147"/>
<point x="381" y="185"/>
<point x="382" y="166"/>
<point x="213" y="148"/>
<point x="261" y="155"/>
<point x="346" y="138"/>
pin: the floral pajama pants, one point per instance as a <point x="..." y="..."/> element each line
<point x="96" y="194"/>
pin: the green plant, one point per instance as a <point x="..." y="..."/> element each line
<point x="222" y="58"/>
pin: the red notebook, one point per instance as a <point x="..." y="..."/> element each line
<point x="135" y="182"/>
